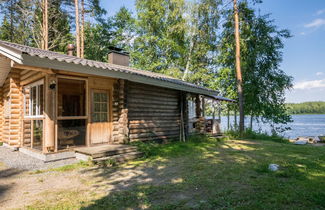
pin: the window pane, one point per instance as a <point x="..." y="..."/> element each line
<point x="96" y="107"/>
<point x="103" y="117"/>
<point x="96" y="117"/>
<point x="96" y="97"/>
<point x="34" y="101"/>
<point x="104" y="97"/>
<point x="103" y="107"/>
<point x="41" y="99"/>
<point x="72" y="97"/>
<point x="37" y="134"/>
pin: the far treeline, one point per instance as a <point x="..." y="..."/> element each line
<point x="191" y="40"/>
<point x="315" y="107"/>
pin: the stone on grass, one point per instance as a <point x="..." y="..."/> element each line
<point x="273" y="167"/>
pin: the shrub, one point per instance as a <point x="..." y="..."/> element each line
<point x="258" y="135"/>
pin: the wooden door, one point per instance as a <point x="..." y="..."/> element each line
<point x="99" y="126"/>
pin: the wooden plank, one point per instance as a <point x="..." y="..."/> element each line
<point x="152" y="134"/>
<point x="33" y="68"/>
<point x="153" y="130"/>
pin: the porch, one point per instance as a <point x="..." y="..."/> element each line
<point x="115" y="152"/>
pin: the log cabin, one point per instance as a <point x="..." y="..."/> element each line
<point x="52" y="103"/>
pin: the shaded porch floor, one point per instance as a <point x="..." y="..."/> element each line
<point x="118" y="152"/>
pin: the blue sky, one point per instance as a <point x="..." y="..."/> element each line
<point x="304" y="53"/>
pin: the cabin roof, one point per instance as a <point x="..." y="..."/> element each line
<point x="30" y="56"/>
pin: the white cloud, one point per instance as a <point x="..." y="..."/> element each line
<point x="315" y="23"/>
<point x="320" y="12"/>
<point x="319" y="73"/>
<point x="310" y="84"/>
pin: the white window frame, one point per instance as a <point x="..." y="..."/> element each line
<point x="30" y="102"/>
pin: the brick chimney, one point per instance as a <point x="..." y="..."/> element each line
<point x="118" y="56"/>
<point x="70" y="49"/>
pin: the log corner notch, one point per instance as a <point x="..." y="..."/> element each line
<point x="120" y="113"/>
<point x="200" y="123"/>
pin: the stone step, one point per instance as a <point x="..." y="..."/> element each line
<point x="120" y="158"/>
<point x="114" y="152"/>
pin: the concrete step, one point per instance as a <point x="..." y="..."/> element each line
<point x="120" y="158"/>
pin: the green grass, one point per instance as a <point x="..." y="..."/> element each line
<point x="206" y="173"/>
<point x="66" y="168"/>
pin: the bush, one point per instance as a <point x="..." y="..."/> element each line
<point x="175" y="147"/>
<point x="258" y="135"/>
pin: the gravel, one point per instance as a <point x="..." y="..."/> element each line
<point x="18" y="160"/>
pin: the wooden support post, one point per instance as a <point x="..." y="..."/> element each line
<point x="235" y="119"/>
<point x="50" y="115"/>
<point x="203" y="106"/>
<point x="228" y="118"/>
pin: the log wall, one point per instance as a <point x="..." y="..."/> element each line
<point x="153" y="112"/>
<point x="120" y="113"/>
<point x="11" y="109"/>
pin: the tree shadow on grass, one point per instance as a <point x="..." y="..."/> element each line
<point x="5" y="185"/>
<point x="215" y="175"/>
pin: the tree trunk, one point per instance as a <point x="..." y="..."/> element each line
<point x="45" y="26"/>
<point x="76" y="3"/>
<point x="82" y="35"/>
<point x="251" y="122"/>
<point x="11" y="20"/>
<point x="235" y="118"/>
<point x="228" y="118"/>
<point x="239" y="73"/>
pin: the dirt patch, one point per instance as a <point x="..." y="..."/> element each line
<point x="21" y="188"/>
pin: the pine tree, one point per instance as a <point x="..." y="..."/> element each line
<point x="261" y="54"/>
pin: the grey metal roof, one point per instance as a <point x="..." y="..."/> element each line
<point x="44" y="54"/>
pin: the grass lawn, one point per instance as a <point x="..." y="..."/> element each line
<point x="210" y="174"/>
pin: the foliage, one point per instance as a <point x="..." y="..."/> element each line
<point x="98" y="38"/>
<point x="316" y="107"/>
<point x="22" y="23"/>
<point x="177" y="38"/>
<point x="174" y="148"/>
<point x="256" y="135"/>
<point x="261" y="53"/>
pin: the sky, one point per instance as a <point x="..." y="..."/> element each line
<point x="303" y="54"/>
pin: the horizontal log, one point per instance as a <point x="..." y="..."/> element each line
<point x="153" y="134"/>
<point x="145" y="99"/>
<point x="154" y="130"/>
<point x="153" y="106"/>
<point x="150" y="92"/>
<point x="145" y="114"/>
<point x="166" y="137"/>
<point x="144" y="119"/>
<point x="150" y="87"/>
<point x="170" y="124"/>
<point x="153" y="110"/>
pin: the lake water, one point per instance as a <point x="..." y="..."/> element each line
<point x="302" y="125"/>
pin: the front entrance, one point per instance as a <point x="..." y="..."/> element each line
<point x="99" y="126"/>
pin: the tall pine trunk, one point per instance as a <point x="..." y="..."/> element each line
<point x="76" y="3"/>
<point x="239" y="73"/>
<point x="45" y="26"/>
<point x="82" y="33"/>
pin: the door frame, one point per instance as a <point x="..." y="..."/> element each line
<point x="109" y="113"/>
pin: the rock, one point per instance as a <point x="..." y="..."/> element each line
<point x="301" y="142"/>
<point x="273" y="167"/>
